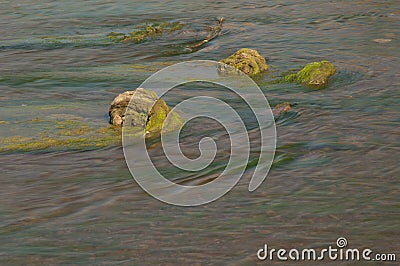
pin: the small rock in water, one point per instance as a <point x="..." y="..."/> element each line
<point x="281" y="108"/>
<point x="247" y="60"/>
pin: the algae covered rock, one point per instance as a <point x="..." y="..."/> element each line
<point x="145" y="110"/>
<point x="248" y="61"/>
<point x="313" y="74"/>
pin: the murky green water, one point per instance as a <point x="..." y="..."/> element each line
<point x="336" y="171"/>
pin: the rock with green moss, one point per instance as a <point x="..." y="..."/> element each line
<point x="142" y="108"/>
<point x="248" y="61"/>
<point x="314" y="74"/>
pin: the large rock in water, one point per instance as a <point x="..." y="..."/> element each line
<point x="314" y="74"/>
<point x="247" y="60"/>
<point x="145" y="110"/>
<point x="139" y="110"/>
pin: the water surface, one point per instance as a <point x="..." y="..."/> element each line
<point x="336" y="169"/>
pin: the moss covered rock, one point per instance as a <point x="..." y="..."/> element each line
<point x="314" y="74"/>
<point x="145" y="110"/>
<point x="248" y="61"/>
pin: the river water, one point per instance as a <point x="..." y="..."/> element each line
<point x="336" y="171"/>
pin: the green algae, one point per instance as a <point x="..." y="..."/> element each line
<point x="145" y="31"/>
<point x="314" y="74"/>
<point x="36" y="120"/>
<point x="55" y="133"/>
<point x="116" y="37"/>
<point x="61" y="135"/>
<point x="68" y="123"/>
<point x="247" y="60"/>
<point x="117" y="72"/>
<point x="80" y="40"/>
<point x="158" y="114"/>
<point x="80" y="131"/>
<point x="23" y="144"/>
<point x="174" y="26"/>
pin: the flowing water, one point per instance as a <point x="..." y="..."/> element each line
<point x="336" y="168"/>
